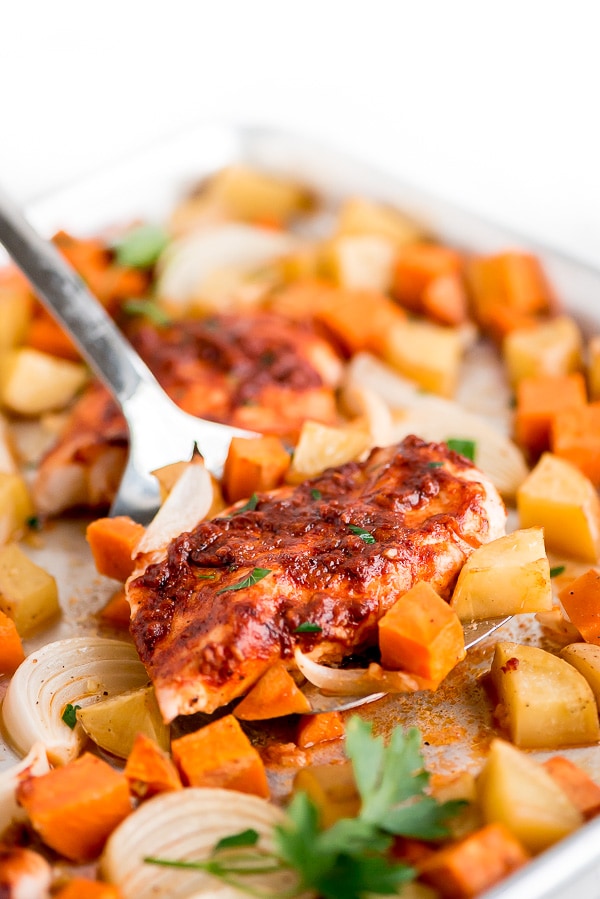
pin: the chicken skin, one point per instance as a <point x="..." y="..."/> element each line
<point x="335" y="552"/>
<point x="256" y="371"/>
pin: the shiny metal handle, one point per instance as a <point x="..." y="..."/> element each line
<point x="68" y="299"/>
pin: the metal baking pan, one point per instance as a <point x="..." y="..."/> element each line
<point x="147" y="186"/>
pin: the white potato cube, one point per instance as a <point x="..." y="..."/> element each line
<point x="28" y="594"/>
<point x="15" y="506"/>
<point x="32" y="382"/>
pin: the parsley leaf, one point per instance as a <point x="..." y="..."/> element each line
<point x="466" y="448"/>
<point x="256" y="575"/>
<point x="365" y="536"/>
<point x="434" y="464"/>
<point x="69" y="715"/>
<point x="247" y="837"/>
<point x="558" y="569"/>
<point x="315" y="494"/>
<point x="141" y="247"/>
<point x="249" y="506"/>
<point x="308" y="627"/>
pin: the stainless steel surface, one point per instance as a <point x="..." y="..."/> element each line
<point x="320" y="702"/>
<point x="146" y="187"/>
<point x="159" y="432"/>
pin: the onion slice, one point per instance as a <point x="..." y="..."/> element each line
<point x="34" y="763"/>
<point x="78" y="671"/>
<point x="186" y="826"/>
<point x="357" y="681"/>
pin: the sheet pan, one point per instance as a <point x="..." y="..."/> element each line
<point x="456" y="721"/>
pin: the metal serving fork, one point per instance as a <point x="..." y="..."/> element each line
<point x="159" y="432"/>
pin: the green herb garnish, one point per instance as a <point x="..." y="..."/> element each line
<point x="148" y="309"/>
<point x="141" y="247"/>
<point x="249" y="837"/>
<point x="256" y="575"/>
<point x="558" y="569"/>
<point x="365" y="536"/>
<point x="34" y="523"/>
<point x="350" y="858"/>
<point x="69" y="715"/>
<point x="466" y="448"/>
<point x="434" y="464"/>
<point x="249" y="506"/>
<point x="206" y="577"/>
<point x="308" y="627"/>
<point x="315" y="494"/>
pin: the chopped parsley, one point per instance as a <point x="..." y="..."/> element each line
<point x="466" y="448"/>
<point x="249" y="506"/>
<point x="141" y="247"/>
<point x="558" y="569"/>
<point x="256" y="575"/>
<point x="147" y="308"/>
<point x="434" y="464"/>
<point x="69" y="715"/>
<point x="352" y="857"/>
<point x="315" y="494"/>
<point x="205" y="577"/>
<point x="365" y="536"/>
<point x="308" y="627"/>
<point x="34" y="523"/>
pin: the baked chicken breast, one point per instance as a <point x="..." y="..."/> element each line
<point x="336" y="552"/>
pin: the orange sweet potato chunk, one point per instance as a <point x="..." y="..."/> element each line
<point x="473" y="865"/>
<point x="539" y="401"/>
<point x="314" y="729"/>
<point x="575" y="436"/>
<point x="112" y="541"/>
<point x="149" y="770"/>
<point x="421" y="634"/>
<point x="254" y="464"/>
<point x="82" y="888"/>
<point x="512" y="279"/>
<point x="220" y="755"/>
<point x="11" y="647"/>
<point x="117" y="611"/>
<point x="581" y="601"/>
<point x="274" y="695"/>
<point x="75" y="808"/>
<point x="583" y="792"/>
<point x="417" y="265"/>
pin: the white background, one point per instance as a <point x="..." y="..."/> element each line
<point x="491" y="104"/>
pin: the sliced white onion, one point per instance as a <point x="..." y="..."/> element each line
<point x="356" y="681"/>
<point x="190" y="263"/>
<point x="186" y="826"/>
<point x="76" y="671"/>
<point x="435" y="419"/>
<point x="34" y="763"/>
<point x="188" y="503"/>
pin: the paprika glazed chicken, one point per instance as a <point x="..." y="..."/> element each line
<point x="332" y="555"/>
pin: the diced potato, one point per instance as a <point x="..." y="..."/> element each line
<point x="505" y="577"/>
<point x="515" y="791"/>
<point x="16" y="303"/>
<point x="28" y="594"/>
<point x="361" y="261"/>
<point x="15" y="506"/>
<point x="429" y="354"/>
<point x="320" y="447"/>
<point x="559" y="498"/>
<point x="554" y="347"/>
<point x="32" y="382"/>
<point x="8" y="463"/>
<point x="361" y="216"/>
<point x="548" y="704"/>
<point x="248" y="194"/>
<point x="333" y="790"/>
<point x="114" y="723"/>
<point x="585" y="657"/>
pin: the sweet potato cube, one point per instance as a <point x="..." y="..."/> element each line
<point x="75" y="808"/>
<point x="474" y="864"/>
<point x="116" y="612"/>
<point x="421" y="634"/>
<point x="82" y="888"/>
<point x="150" y="770"/>
<point x="583" y="792"/>
<point x="276" y="694"/>
<point x="417" y="265"/>
<point x="575" y="436"/>
<point x="359" y="319"/>
<point x="314" y="729"/>
<point x="220" y="755"/>
<point x="254" y="464"/>
<point x="112" y="541"/>
<point x="510" y="279"/>
<point x="444" y="300"/>
<point x="581" y="602"/>
<point x="539" y="400"/>
<point x="11" y="648"/>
